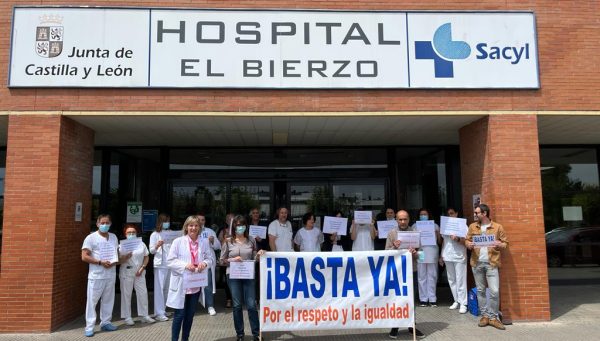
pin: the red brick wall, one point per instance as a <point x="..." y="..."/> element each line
<point x="49" y="167"/>
<point x="567" y="32"/>
<point x="500" y="161"/>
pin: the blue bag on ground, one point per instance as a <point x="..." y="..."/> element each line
<point x="472" y="302"/>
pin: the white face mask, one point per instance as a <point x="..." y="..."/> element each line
<point x="166" y="225"/>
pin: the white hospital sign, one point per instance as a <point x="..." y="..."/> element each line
<point x="272" y="49"/>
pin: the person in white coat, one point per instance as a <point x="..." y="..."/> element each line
<point x="99" y="250"/>
<point x="280" y="232"/>
<point x="206" y="233"/>
<point x="189" y="255"/>
<point x="160" y="249"/>
<point x="132" y="274"/>
<point x="362" y="236"/>
<point x="454" y="256"/>
<point x="309" y="238"/>
<point x="427" y="267"/>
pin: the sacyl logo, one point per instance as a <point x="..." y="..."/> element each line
<point x="49" y="36"/>
<point x="442" y="51"/>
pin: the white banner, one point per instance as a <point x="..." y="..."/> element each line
<point x="219" y="48"/>
<point x="334" y="290"/>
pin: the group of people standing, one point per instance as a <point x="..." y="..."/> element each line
<point x="180" y="262"/>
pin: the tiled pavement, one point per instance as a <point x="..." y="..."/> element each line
<point x="575" y="312"/>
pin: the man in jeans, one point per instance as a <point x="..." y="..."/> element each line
<point x="485" y="262"/>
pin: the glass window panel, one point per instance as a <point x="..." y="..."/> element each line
<point x="367" y="197"/>
<point x="189" y="199"/>
<point x="246" y="197"/>
<point x="570" y="187"/>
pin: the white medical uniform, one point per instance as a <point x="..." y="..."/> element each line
<point x="129" y="281"/>
<point x="284" y="234"/>
<point x="428" y="271"/>
<point x="363" y="241"/>
<point x="455" y="257"/>
<point x="309" y="240"/>
<point x="205" y="233"/>
<point x="161" y="272"/>
<point x="101" y="282"/>
<point x="178" y="258"/>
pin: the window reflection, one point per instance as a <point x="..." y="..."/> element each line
<point x="570" y="187"/>
<point x="571" y="196"/>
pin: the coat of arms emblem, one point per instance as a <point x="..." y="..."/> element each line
<point x="49" y="36"/>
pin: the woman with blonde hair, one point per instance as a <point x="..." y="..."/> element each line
<point x="188" y="255"/>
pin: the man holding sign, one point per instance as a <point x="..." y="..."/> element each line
<point x="99" y="250"/>
<point x="395" y="241"/>
<point x="486" y="238"/>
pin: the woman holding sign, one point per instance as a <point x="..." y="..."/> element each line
<point x="160" y="249"/>
<point x="363" y="235"/>
<point x="132" y="274"/>
<point x="239" y="254"/>
<point x="454" y="256"/>
<point x="188" y="259"/>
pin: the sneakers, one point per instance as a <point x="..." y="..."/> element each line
<point x="417" y="331"/>
<point x="129" y="321"/>
<point x="433" y="304"/>
<point x="161" y="318"/>
<point x="454" y="305"/>
<point x="88" y="333"/>
<point x="109" y="327"/>
<point x="211" y="311"/>
<point x="422" y="304"/>
<point x="496" y="324"/>
<point x="463" y="309"/>
<point x="147" y="319"/>
<point x="484" y="321"/>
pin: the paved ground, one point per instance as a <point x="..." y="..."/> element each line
<point x="575" y="312"/>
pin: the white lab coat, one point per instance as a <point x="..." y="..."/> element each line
<point x="179" y="257"/>
<point x="204" y="234"/>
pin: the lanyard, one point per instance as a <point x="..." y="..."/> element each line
<point x="194" y="252"/>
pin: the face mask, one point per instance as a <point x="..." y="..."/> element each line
<point x="131" y="236"/>
<point x="166" y="226"/>
<point x="423" y="217"/>
<point x="104" y="228"/>
<point x="240" y="229"/>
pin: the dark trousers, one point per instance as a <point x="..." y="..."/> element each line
<point x="242" y="291"/>
<point x="183" y="318"/>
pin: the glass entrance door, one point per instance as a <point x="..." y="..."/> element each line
<point x="326" y="198"/>
<point x="216" y="199"/>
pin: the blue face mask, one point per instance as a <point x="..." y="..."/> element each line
<point x="131" y="236"/>
<point x="104" y="228"/>
<point x="240" y="229"/>
<point x="166" y="225"/>
<point x="423" y="217"/>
